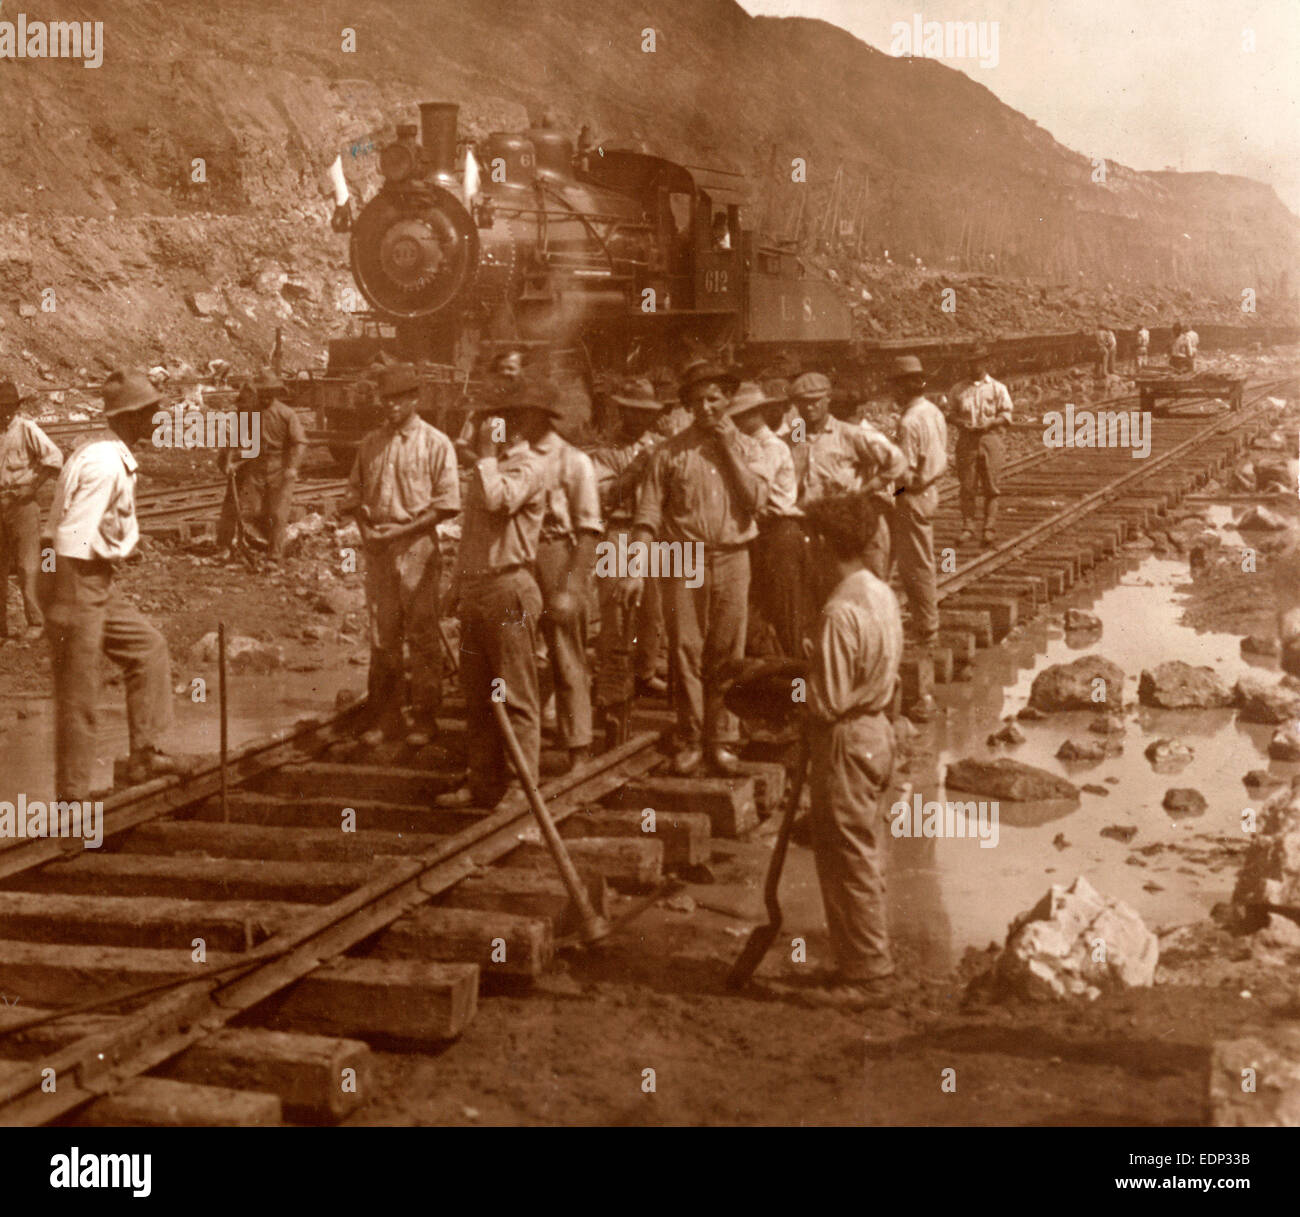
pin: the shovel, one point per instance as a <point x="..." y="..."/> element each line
<point x="762" y="937"/>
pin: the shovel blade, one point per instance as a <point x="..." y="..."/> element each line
<point x="760" y="942"/>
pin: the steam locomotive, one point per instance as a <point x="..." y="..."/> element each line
<point x="631" y="259"/>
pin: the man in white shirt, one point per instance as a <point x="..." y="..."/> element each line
<point x="981" y="410"/>
<point x="1143" y="345"/>
<point x="94" y="529"/>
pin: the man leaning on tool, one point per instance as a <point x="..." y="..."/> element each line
<point x="851" y="681"/>
<point x="834" y="457"/>
<point x="28" y="459"/>
<point x="498" y="600"/>
<point x="87" y="617"/>
<point x="566" y="557"/>
<point x="701" y="495"/>
<point x="981" y="411"/>
<point x="403" y="483"/>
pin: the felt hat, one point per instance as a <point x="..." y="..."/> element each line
<point x="124" y="392"/>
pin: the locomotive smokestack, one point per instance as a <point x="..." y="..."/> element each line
<point x="438" y="121"/>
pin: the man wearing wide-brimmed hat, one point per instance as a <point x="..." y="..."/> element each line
<point x="981" y="411"/>
<point x="265" y="482"/>
<point x="778" y="566"/>
<point x="833" y="457"/>
<point x="94" y="529"/>
<point x="403" y="483"/>
<point x="701" y="498"/>
<point x="496" y="593"/>
<point x="923" y="437"/>
<point x="28" y="459"/>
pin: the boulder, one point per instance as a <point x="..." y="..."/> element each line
<point x="1270" y="870"/>
<point x="1008" y="733"/>
<point x="1260" y="519"/>
<point x="1107" y="724"/>
<point x="1285" y="744"/>
<point x="1076" y="942"/>
<point x="1262" y="779"/>
<point x="242" y="654"/>
<point x="1168" y="755"/>
<point x="1259" y="644"/>
<point x="1084" y="684"/>
<point x="1077" y="619"/>
<point x="1181" y="686"/>
<point x="1030" y="714"/>
<point x="1006" y="779"/>
<point x="1184" y="801"/>
<point x="1258" y="701"/>
<point x="1088" y="750"/>
<point x="207" y="304"/>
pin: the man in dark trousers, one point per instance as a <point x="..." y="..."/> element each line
<point x="28" y="459"/>
<point x="700" y="499"/>
<point x="496" y="594"/>
<point x="403" y="483"/>
<point x="94" y="530"/>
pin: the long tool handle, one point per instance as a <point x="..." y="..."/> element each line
<point x="772" y="884"/>
<point x="594" y="927"/>
<point x="225" y="727"/>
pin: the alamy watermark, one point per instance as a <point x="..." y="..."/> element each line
<point x="29" y="819"/>
<point x="1098" y="429"/>
<point x="945" y="40"/>
<point x="624" y="559"/>
<point x="181" y="428"/>
<point x="920" y="818"/>
<point x="23" y="39"/>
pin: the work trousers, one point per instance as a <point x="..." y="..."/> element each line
<point x="648" y="624"/>
<point x="86" y="619"/>
<point x="20" y="547"/>
<point x="913" y="535"/>
<point x="265" y="503"/>
<point x="849" y="766"/>
<point x="979" y="465"/>
<point x="876" y="553"/>
<point x="567" y="644"/>
<point x="499" y="619"/>
<point x="403" y="606"/>
<point x="706" y="632"/>
<point x="777" y="588"/>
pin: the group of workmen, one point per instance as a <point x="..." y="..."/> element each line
<point x="794" y="513"/>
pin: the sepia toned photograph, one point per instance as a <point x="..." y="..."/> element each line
<point x="666" y="563"/>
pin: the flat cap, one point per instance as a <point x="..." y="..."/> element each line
<point x="811" y="384"/>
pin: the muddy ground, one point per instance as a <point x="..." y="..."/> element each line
<point x="574" y="1049"/>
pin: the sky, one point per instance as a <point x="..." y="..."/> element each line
<point x="1153" y="84"/>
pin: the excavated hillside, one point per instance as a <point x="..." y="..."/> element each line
<point x="99" y="202"/>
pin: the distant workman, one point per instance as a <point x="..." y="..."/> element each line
<point x="702" y="497"/>
<point x="1181" y="356"/>
<point x="403" y="483"/>
<point x="496" y="593"/>
<point x="923" y="437"/>
<point x="28" y="459"/>
<point x="94" y="530"/>
<point x="778" y="563"/>
<point x="833" y="457"/>
<point x="851" y="682"/>
<point x="566" y="557"/>
<point x="1143" y="346"/>
<point x="981" y="411"/>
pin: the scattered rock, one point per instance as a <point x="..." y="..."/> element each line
<point x="1060" y="842"/>
<point x="1077" y="619"/>
<point x="1089" y="788"/>
<point x="1261" y="779"/>
<point x="1123" y="833"/>
<point x="242" y="654"/>
<point x="1168" y="755"/>
<point x="1004" y="778"/>
<point x="1083" y="684"/>
<point x="1008" y="734"/>
<point x="347" y="697"/>
<point x="1280" y="931"/>
<point x="1181" y="686"/>
<point x="1260" y="702"/>
<point x="1107" y="724"/>
<point x="313" y="633"/>
<point x="1285" y="744"/>
<point x="1152" y="886"/>
<point x="1258" y="644"/>
<point x="206" y="304"/>
<point x="1260" y="518"/>
<point x="1184" y="801"/>
<point x="1270" y="871"/>
<point x="1086" y="750"/>
<point x="680" y="903"/>
<point x="1275" y="1103"/>
<point x="1051" y="950"/>
<point x="1030" y="714"/>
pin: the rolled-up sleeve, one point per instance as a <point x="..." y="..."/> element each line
<point x="510" y="488"/>
<point x="650" y="496"/>
<point x="584" y="494"/>
<point x="43" y="450"/>
<point x="444" y="478"/>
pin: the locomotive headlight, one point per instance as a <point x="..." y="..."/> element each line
<point x="410" y="253"/>
<point x="397" y="162"/>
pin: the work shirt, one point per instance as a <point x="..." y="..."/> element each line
<point x="859" y="646"/>
<point x="93" y="515"/>
<point x="1194" y="341"/>
<point x="400" y="474"/>
<point x="504" y="506"/>
<point x="24" y="450"/>
<point x="923" y="438"/>
<point x="619" y="472"/>
<point x="572" y="491"/>
<point x="282" y="430"/>
<point x="981" y="403"/>
<point x="1183" y="346"/>
<point x="774" y="464"/>
<point x="1143" y="339"/>
<point x="842" y="458"/>
<point x="685" y="494"/>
